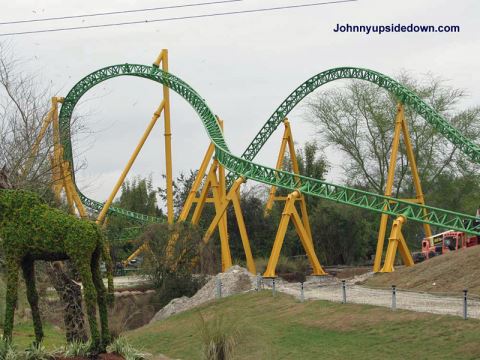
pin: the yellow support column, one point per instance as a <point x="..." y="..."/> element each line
<point x="130" y="162"/>
<point x="401" y="127"/>
<point x="290" y="212"/>
<point x="196" y="184"/>
<point x="388" y="190"/>
<point x="168" y="138"/>
<point x="420" y="199"/>
<point x="233" y="197"/>
<point x="222" y="226"/>
<point x="397" y="241"/>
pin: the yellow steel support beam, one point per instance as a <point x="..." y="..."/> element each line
<point x="137" y="252"/>
<point x="413" y="166"/>
<point x="222" y="226"/>
<point x="215" y="182"/>
<point x="130" y="162"/>
<point x="61" y="174"/>
<point x="401" y="127"/>
<point x="204" y="194"/>
<point x="233" y="197"/>
<point x="191" y="198"/>
<point x="290" y="212"/>
<point x="168" y="140"/>
<point x="397" y="241"/>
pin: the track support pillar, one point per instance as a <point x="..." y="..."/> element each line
<point x="291" y="213"/>
<point x="397" y="242"/>
<point x="401" y="128"/>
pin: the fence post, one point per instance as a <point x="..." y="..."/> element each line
<point x="219" y="287"/>
<point x="465" y="304"/>
<point x="302" y="294"/>
<point x="344" y="292"/>
<point x="273" y="286"/>
<point x="394" y="297"/>
<point x="257" y="285"/>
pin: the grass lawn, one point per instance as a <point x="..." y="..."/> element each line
<point x="23" y="336"/>
<point x="283" y="328"/>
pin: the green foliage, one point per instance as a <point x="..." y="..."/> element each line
<point x="37" y="351"/>
<point x="122" y="347"/>
<point x="31" y="230"/>
<point x="181" y="188"/>
<point x="77" y="348"/>
<point x="7" y="350"/>
<point x="342" y="234"/>
<point x="139" y="196"/>
<point x="175" y="253"/>
<point x="261" y="229"/>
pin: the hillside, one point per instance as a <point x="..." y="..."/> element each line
<point x="449" y="273"/>
<point x="283" y="328"/>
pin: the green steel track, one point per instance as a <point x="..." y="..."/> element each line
<point x="243" y="166"/>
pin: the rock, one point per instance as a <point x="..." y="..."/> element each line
<point x="235" y="280"/>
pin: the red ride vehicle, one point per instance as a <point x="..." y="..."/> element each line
<point x="447" y="241"/>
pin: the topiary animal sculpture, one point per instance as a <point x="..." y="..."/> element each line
<point x="31" y="230"/>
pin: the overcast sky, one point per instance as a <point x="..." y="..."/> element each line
<point x="243" y="65"/>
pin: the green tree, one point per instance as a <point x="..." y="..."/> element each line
<point x="137" y="195"/>
<point x="171" y="268"/>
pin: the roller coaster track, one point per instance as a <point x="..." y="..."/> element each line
<point x="243" y="166"/>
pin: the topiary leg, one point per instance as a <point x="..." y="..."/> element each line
<point x="101" y="296"/>
<point x="11" y="298"/>
<point x="90" y="295"/>
<point x="32" y="297"/>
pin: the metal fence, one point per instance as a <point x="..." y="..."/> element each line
<point x="462" y="304"/>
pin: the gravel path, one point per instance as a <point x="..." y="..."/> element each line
<point x="330" y="289"/>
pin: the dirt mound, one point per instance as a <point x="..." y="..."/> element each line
<point x="234" y="280"/>
<point x="449" y="273"/>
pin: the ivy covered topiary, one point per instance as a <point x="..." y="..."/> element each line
<point x="31" y="230"/>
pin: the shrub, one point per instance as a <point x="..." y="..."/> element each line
<point x="175" y="253"/>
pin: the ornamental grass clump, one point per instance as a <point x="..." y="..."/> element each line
<point x="7" y="350"/>
<point x="37" y="351"/>
<point x="219" y="337"/>
<point x="122" y="347"/>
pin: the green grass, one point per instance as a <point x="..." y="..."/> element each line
<point x="283" y="328"/>
<point x="23" y="336"/>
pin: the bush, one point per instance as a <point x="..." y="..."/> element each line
<point x="175" y="253"/>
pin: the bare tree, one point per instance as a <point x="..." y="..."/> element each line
<point x="23" y="107"/>
<point x="359" y="120"/>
